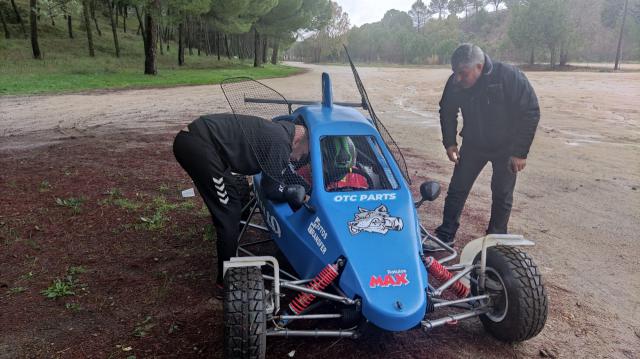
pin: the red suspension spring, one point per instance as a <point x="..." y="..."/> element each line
<point x="320" y="282"/>
<point x="439" y="272"/>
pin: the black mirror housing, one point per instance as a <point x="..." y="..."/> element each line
<point x="430" y="190"/>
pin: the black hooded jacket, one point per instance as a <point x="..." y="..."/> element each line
<point x="500" y="111"/>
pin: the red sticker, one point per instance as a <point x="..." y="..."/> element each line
<point x="389" y="280"/>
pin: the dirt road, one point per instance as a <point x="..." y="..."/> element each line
<point x="578" y="199"/>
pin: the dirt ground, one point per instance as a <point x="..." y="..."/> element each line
<point x="143" y="287"/>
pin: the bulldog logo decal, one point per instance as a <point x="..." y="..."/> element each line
<point x="374" y="221"/>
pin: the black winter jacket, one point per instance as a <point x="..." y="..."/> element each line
<point x="500" y="111"/>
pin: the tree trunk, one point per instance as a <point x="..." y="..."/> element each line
<point x="219" y="44"/>
<point x="70" y="26"/>
<point x="564" y="54"/>
<point x="125" y="15"/>
<point x="115" y="5"/>
<point x="114" y="28"/>
<point x="274" y="54"/>
<point x="532" y="58"/>
<point x="257" y="59"/>
<point x="87" y="25"/>
<point x="92" y="8"/>
<point x="552" y="56"/>
<point x="19" y="18"/>
<point x="33" y="20"/>
<point x="265" y="47"/>
<point x="160" y="40"/>
<point x="141" y="26"/>
<point x="167" y="37"/>
<point x="150" y="43"/>
<point x="624" y="17"/>
<point x="180" y="44"/>
<point x="226" y="46"/>
<point x="53" y="18"/>
<point x="7" y="34"/>
<point x="189" y="28"/>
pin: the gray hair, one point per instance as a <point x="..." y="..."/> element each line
<point x="467" y="55"/>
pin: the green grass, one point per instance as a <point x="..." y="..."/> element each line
<point x="59" y="288"/>
<point x="74" y="203"/>
<point x="67" y="67"/>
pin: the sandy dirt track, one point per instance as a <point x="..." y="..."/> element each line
<point x="579" y="197"/>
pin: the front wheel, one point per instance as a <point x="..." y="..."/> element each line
<point x="244" y="314"/>
<point x="518" y="298"/>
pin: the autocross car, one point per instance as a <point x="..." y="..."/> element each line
<point x="353" y="251"/>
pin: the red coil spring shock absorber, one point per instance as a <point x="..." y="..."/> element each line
<point x="320" y="282"/>
<point x="441" y="273"/>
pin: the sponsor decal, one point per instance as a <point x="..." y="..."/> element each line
<point x="364" y="197"/>
<point x="271" y="220"/>
<point x="318" y="233"/>
<point x="377" y="220"/>
<point x="393" y="278"/>
<point x="221" y="191"/>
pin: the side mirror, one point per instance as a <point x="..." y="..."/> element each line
<point x="429" y="190"/>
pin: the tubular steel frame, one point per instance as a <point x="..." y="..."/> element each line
<point x="473" y="306"/>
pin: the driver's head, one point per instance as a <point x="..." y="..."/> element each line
<point x="467" y="63"/>
<point x="300" y="145"/>
<point x="339" y="152"/>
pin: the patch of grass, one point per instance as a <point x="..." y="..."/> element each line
<point x="126" y="204"/>
<point x="75" y="270"/>
<point x="143" y="328"/>
<point x="154" y="222"/>
<point x="114" y="192"/>
<point x="204" y="212"/>
<point x="157" y="220"/>
<point x="44" y="186"/>
<point x="117" y="199"/>
<point x="74" y="203"/>
<point x="74" y="307"/>
<point x="164" y="188"/>
<point x="66" y="65"/>
<point x="187" y="205"/>
<point x="161" y="204"/>
<point x="16" y="290"/>
<point x="209" y="233"/>
<point x="59" y="288"/>
<point x="26" y="276"/>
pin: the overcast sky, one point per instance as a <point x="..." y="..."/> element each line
<point x="366" y="11"/>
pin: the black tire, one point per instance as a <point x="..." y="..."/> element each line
<point x="241" y="183"/>
<point x="244" y="314"/>
<point x="522" y="313"/>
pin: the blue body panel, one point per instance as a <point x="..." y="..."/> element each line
<point x="383" y="269"/>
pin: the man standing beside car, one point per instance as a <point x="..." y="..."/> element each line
<point x="501" y="113"/>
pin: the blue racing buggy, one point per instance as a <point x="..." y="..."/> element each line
<point x="351" y="256"/>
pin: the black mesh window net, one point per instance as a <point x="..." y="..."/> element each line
<point x="354" y="163"/>
<point x="270" y="140"/>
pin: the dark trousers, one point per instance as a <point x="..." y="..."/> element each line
<point x="503" y="182"/>
<point x="213" y="179"/>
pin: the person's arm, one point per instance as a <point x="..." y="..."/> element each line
<point x="449" y="115"/>
<point x="524" y="102"/>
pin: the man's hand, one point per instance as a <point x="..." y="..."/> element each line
<point x="452" y="153"/>
<point x="517" y="164"/>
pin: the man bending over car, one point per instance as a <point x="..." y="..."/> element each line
<point x="213" y="146"/>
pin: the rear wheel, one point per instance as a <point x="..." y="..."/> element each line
<point x="518" y="297"/>
<point x="244" y="314"/>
